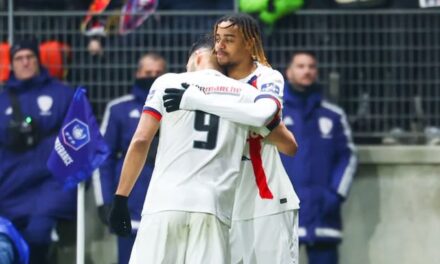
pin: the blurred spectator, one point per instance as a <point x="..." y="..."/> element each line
<point x="324" y="166"/>
<point x="13" y="249"/>
<point x="32" y="109"/>
<point x="118" y="126"/>
<point x="53" y="55"/>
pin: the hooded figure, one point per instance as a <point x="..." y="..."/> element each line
<point x="32" y="109"/>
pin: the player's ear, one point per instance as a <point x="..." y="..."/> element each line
<point x="249" y="44"/>
<point x="198" y="59"/>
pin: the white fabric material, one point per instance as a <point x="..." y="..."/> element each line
<point x="328" y="232"/>
<point x="252" y="114"/>
<point x="97" y="188"/>
<point x="302" y="232"/>
<point x="181" y="237"/>
<point x="350" y="169"/>
<point x="248" y="203"/>
<point x="135" y="224"/>
<point x="190" y="178"/>
<point x="265" y="240"/>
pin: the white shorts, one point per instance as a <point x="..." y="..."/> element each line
<point x="181" y="237"/>
<point x="271" y="239"/>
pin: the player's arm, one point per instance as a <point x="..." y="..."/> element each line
<point x="135" y="158"/>
<point x="283" y="139"/>
<point x="137" y="153"/>
<point x="280" y="136"/>
<point x="263" y="113"/>
<point x="134" y="161"/>
<point x="258" y="113"/>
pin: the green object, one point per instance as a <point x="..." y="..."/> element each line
<point x="28" y="119"/>
<point x="253" y="6"/>
<point x="270" y="13"/>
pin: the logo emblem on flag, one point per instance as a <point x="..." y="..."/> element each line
<point x="76" y="134"/>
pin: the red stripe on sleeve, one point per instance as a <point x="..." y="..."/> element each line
<point x="257" y="163"/>
<point x="153" y="113"/>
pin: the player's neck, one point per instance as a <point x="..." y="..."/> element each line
<point x="242" y="70"/>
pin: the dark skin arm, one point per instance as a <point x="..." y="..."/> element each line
<point x="283" y="139"/>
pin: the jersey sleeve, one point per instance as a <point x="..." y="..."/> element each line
<point x="245" y="108"/>
<point x="272" y="83"/>
<point x="154" y="102"/>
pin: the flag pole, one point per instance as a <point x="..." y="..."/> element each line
<point x="76" y="155"/>
<point x="80" y="224"/>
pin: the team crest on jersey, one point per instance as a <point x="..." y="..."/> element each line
<point x="288" y="121"/>
<point x="76" y="134"/>
<point x="8" y="111"/>
<point x="325" y="126"/>
<point x="134" y="113"/>
<point x="45" y="103"/>
<point x="270" y="88"/>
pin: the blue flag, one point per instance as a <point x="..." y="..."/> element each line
<point x="79" y="147"/>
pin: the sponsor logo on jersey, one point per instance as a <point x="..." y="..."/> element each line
<point x="76" y="134"/>
<point x="219" y="89"/>
<point x="270" y="88"/>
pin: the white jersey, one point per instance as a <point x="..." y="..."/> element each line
<point x="199" y="155"/>
<point x="248" y="202"/>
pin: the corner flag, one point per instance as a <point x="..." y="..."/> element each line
<point x="79" y="147"/>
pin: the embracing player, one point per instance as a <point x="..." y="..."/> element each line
<point x="265" y="216"/>
<point x="188" y="207"/>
